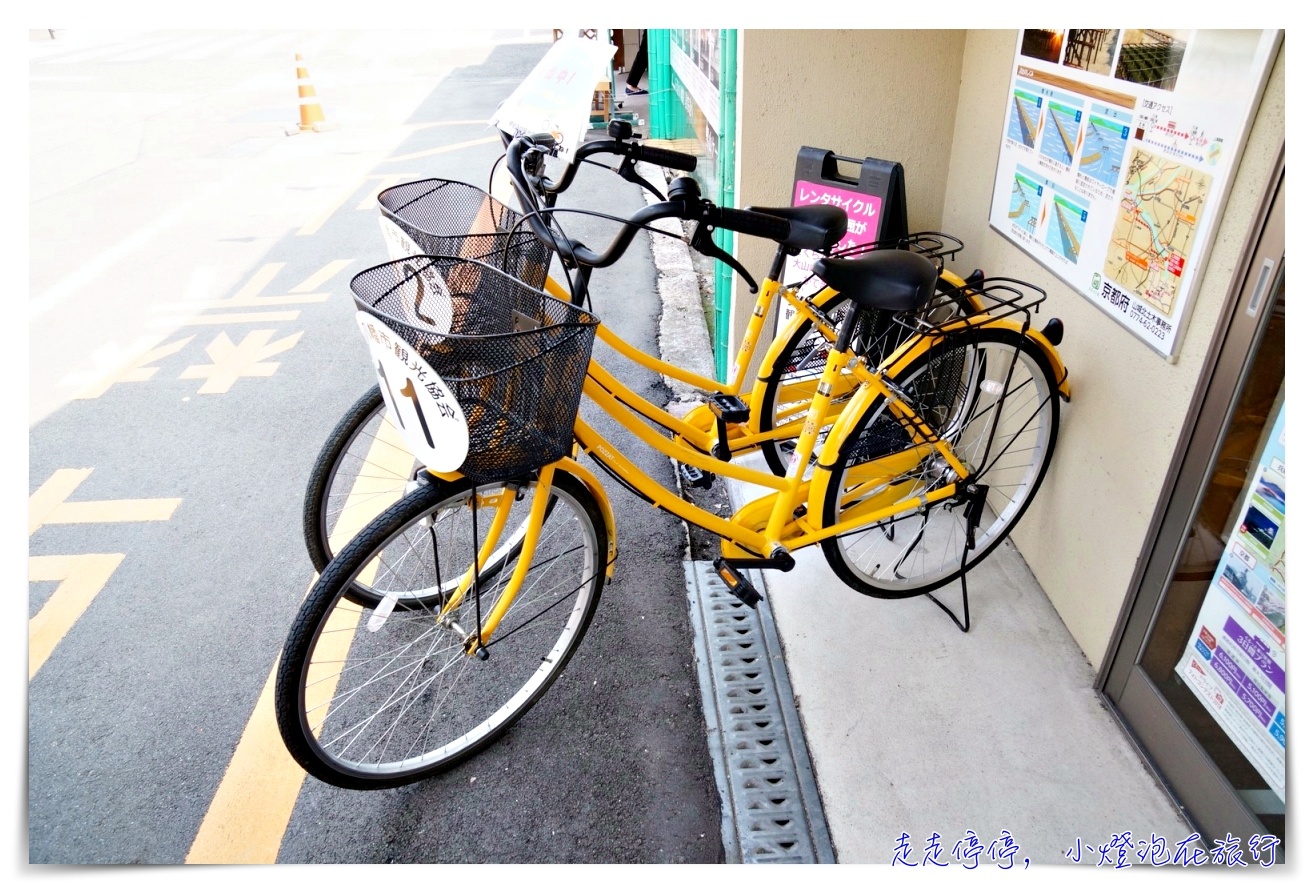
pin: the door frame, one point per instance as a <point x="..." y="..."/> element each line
<point x="1202" y="794"/>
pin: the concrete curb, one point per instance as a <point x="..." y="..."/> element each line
<point x="682" y="336"/>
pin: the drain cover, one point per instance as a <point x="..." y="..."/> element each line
<point x="771" y="810"/>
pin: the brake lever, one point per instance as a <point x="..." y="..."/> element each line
<point x="627" y="171"/>
<point x="702" y="243"/>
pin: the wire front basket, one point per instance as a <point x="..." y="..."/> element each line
<point x="454" y="219"/>
<point x="513" y="356"/>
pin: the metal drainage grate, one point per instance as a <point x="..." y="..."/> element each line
<point x="771" y="810"/>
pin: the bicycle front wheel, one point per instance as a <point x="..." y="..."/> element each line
<point x="992" y="395"/>
<point x="366" y="702"/>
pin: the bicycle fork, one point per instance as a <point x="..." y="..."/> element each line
<point x="486" y="625"/>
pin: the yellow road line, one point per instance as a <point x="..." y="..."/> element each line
<point x="106" y="511"/>
<point x="251" y="809"/>
<point x="50" y="505"/>
<point x="267" y="301"/>
<point x="81" y="578"/>
<point x="428" y="124"/>
<point x="138" y="369"/>
<point x="256" y="284"/>
<point x="225" y="318"/>
<point x="51" y="495"/>
<point x="386" y="181"/>
<point x="441" y="149"/>
<point x="314" y="225"/>
<point x="325" y="273"/>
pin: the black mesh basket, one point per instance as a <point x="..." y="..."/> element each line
<point x="454" y="219"/>
<point x="514" y="357"/>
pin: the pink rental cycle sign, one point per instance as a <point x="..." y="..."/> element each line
<point x="864" y="212"/>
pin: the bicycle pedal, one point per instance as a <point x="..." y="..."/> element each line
<point x="696" y="477"/>
<point x="728" y="409"/>
<point x="737" y="583"/>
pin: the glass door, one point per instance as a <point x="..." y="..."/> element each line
<point x="1198" y="677"/>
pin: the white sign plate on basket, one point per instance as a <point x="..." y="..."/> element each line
<point x="400" y="245"/>
<point x="418" y="401"/>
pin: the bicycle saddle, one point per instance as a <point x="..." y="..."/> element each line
<point x="890" y="280"/>
<point x="811" y="227"/>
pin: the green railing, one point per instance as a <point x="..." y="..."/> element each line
<point x="675" y="114"/>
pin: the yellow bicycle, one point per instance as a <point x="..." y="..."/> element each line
<point x="363" y="465"/>
<point x="484" y="578"/>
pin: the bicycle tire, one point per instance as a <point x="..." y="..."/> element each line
<point x="963" y="387"/>
<point x="361" y="470"/>
<point x="367" y="709"/>
<point x="803" y="356"/>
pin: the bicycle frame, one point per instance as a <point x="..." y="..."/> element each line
<point x="698" y="429"/>
<point x="788" y="517"/>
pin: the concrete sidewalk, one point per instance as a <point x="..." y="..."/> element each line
<point x="916" y="728"/>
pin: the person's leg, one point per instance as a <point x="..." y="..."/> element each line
<point x="639" y="67"/>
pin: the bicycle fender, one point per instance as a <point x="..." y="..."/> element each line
<point x="594" y="486"/>
<point x="1050" y="351"/>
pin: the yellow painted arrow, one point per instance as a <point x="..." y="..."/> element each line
<point x="234" y="361"/>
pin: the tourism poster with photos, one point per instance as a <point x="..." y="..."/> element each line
<point x="1118" y="152"/>
<point x="1236" y="660"/>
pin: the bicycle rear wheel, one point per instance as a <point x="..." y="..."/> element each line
<point x="990" y="393"/>
<point x="798" y="363"/>
<point x="370" y="708"/>
<point x="361" y="470"/>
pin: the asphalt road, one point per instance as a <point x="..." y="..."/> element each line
<point x="191" y="342"/>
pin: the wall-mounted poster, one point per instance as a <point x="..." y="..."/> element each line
<point x="1236" y="662"/>
<point x="1118" y="152"/>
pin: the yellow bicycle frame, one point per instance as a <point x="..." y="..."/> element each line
<point x="773" y="523"/>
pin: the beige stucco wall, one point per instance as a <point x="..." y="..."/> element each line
<point x="1083" y="534"/>
<point x="849" y="92"/>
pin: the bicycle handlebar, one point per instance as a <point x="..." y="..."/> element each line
<point x="684" y="201"/>
<point x="750" y="223"/>
<point x="679" y="161"/>
<point x="621" y="144"/>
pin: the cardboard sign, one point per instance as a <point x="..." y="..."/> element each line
<point x="874" y="200"/>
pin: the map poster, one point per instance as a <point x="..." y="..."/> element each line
<point x="1118" y="151"/>
<point x="1235" y="662"/>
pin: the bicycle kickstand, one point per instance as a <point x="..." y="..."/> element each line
<point x="975" y="500"/>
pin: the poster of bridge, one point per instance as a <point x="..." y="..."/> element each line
<point x="1119" y="147"/>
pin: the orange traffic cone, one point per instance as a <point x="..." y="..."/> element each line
<point x="312" y="116"/>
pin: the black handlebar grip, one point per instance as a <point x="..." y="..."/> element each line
<point x="667" y="158"/>
<point x="753" y="223"/>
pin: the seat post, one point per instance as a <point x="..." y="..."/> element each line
<point x="778" y="262"/>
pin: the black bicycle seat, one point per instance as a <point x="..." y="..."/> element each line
<point x="890" y="280"/>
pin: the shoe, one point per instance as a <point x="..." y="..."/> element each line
<point x="635" y="91"/>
